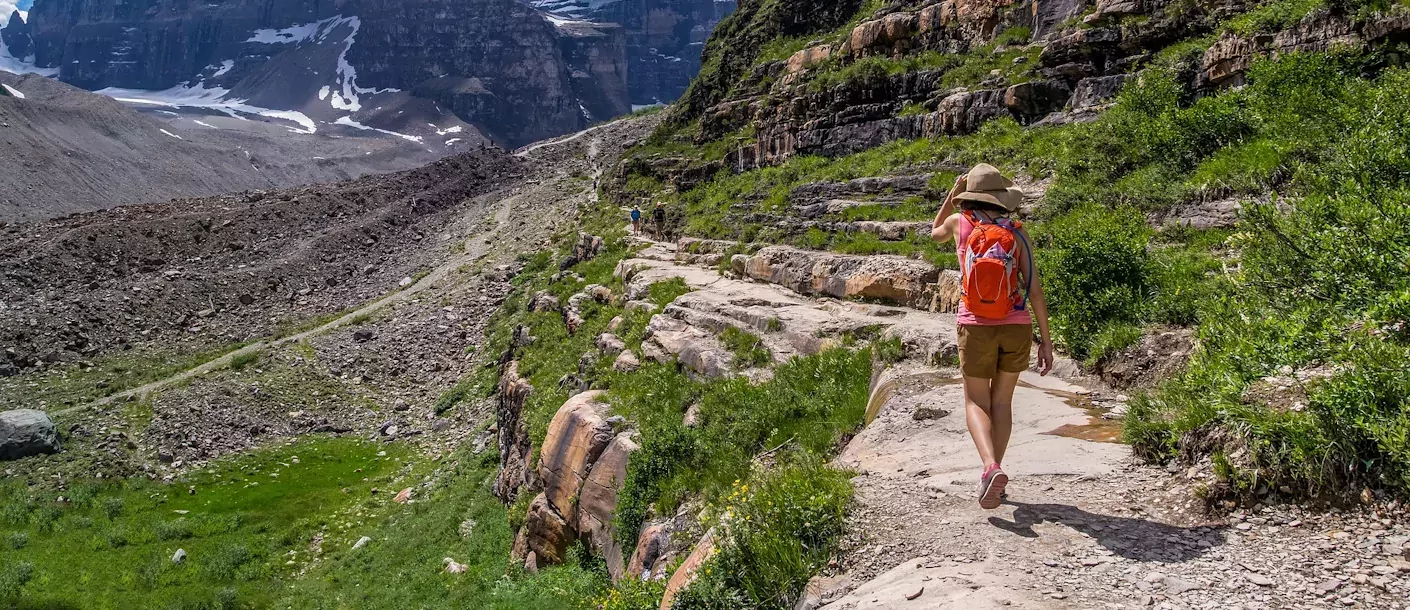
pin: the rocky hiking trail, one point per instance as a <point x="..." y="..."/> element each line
<point x="1086" y="525"/>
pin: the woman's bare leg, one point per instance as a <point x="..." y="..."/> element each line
<point x="977" y="393"/>
<point x="1001" y="413"/>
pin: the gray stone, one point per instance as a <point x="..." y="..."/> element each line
<point x="26" y="432"/>
<point x="1095" y="91"/>
<point x="929" y="412"/>
<point x="179" y="556"/>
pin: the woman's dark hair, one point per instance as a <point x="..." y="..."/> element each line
<point x="981" y="206"/>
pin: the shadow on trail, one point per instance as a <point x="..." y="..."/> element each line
<point x="1129" y="537"/>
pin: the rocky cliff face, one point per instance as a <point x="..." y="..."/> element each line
<point x="518" y="71"/>
<point x="913" y="69"/>
<point x="664" y="38"/>
<point x="497" y="64"/>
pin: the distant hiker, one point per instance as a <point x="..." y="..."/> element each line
<point x="658" y="216"/>
<point x="998" y="279"/>
<point x="636" y="219"/>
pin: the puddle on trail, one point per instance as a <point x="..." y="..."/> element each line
<point x="1097" y="429"/>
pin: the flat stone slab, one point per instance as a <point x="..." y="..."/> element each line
<point x="895" y="444"/>
<point x="920" y="584"/>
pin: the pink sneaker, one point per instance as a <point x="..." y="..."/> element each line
<point x="991" y="487"/>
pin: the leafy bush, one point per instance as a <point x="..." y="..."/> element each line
<point x="1093" y="265"/>
<point x="665" y="292"/>
<point x="748" y="349"/>
<point x="13" y="577"/>
<point x="225" y="561"/>
<point x="241" y="361"/>
<point x="176" y="529"/>
<point x="633" y="594"/>
<point x="774" y="533"/>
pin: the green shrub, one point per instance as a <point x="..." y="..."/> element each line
<point x="748" y="349"/>
<point x="1094" y="270"/>
<point x="224" y="562"/>
<point x="1322" y="285"/>
<point x="176" y="529"/>
<point x="240" y="361"/>
<point x="13" y="577"/>
<point x="775" y="532"/>
<point x="111" y="506"/>
<point x="808" y="405"/>
<point x="665" y="292"/>
<point x="633" y="594"/>
<point x="17" y="540"/>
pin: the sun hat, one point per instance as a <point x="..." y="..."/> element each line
<point x="985" y="184"/>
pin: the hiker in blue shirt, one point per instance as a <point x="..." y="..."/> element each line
<point x="636" y="220"/>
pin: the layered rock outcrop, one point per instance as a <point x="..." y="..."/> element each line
<point x="582" y="467"/>
<point x="891" y="279"/>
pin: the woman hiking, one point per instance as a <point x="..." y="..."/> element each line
<point x="997" y="281"/>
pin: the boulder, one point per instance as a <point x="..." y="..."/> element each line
<point x="685" y="574"/>
<point x="610" y="344"/>
<point x="27" y="432"/>
<point x="598" y="502"/>
<point x="626" y="362"/>
<point x="1047" y="16"/>
<point x="588" y="246"/>
<point x="891" y="231"/>
<point x="543" y="301"/>
<point x="1114" y="9"/>
<point x="653" y="543"/>
<point x="546" y="534"/>
<point x="945" y="295"/>
<point x="964" y="112"/>
<point x="891" y="279"/>
<point x="882" y="35"/>
<point x="695" y="348"/>
<point x="578" y="434"/>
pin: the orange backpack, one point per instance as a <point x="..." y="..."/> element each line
<point x="989" y="284"/>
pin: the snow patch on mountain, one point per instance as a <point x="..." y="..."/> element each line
<point x="13" y="91"/>
<point x="348" y="121"/>
<point x="213" y="98"/>
<point x="572" y="9"/>
<point x="344" y="93"/>
<point x="289" y="35"/>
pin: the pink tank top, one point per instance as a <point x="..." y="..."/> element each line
<point x="1017" y="316"/>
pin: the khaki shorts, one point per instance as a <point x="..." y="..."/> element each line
<point x="985" y="350"/>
